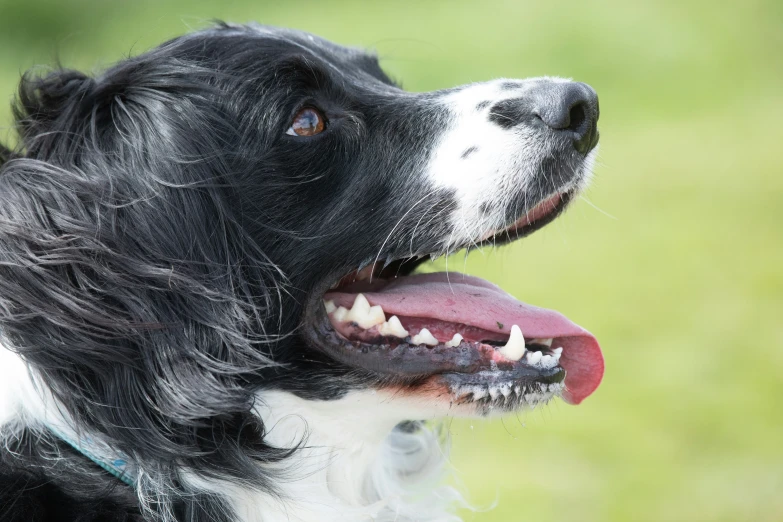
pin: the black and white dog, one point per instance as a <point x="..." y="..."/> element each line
<point x="206" y="306"/>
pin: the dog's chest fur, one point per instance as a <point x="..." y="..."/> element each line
<point x="352" y="463"/>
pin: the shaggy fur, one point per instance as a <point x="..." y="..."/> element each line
<point x="160" y="235"/>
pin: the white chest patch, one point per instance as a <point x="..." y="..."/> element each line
<point x="353" y="464"/>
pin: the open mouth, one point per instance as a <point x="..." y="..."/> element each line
<point x="461" y="331"/>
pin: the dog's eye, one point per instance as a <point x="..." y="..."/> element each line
<point x="307" y="122"/>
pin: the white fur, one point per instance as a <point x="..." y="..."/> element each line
<point x="354" y="466"/>
<point x="13" y="376"/>
<point x="503" y="163"/>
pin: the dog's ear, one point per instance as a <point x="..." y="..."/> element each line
<point x="127" y="282"/>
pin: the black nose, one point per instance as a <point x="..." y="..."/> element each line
<point x="569" y="107"/>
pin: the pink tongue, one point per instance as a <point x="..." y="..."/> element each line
<point x="458" y="298"/>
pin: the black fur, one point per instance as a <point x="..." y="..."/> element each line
<point x="159" y="236"/>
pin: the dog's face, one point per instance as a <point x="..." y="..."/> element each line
<point x="356" y="181"/>
<point x="219" y="236"/>
<point x="244" y="206"/>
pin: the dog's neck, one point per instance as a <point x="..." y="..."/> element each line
<point x="354" y="463"/>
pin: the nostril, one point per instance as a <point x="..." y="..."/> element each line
<point x="570" y="109"/>
<point x="576" y="117"/>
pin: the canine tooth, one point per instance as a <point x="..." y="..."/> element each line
<point x="558" y="352"/>
<point x="360" y="304"/>
<point x="515" y="347"/>
<point x="365" y="315"/>
<point x="341" y="314"/>
<point x="455" y="341"/>
<point x="534" y="357"/>
<point x="545" y="342"/>
<point x="329" y="305"/>
<point x="424" y="337"/>
<point x="393" y="327"/>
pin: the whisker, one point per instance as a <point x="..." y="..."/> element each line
<point x="399" y="222"/>
<point x="605" y="213"/>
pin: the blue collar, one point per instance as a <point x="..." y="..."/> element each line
<point x="111" y="460"/>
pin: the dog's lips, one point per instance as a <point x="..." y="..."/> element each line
<point x="547" y="207"/>
<point x="471" y="302"/>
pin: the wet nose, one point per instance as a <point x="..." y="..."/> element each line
<point x="569" y="107"/>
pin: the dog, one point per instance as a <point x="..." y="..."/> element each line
<point x="208" y="304"/>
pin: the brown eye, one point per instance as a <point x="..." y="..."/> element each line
<point x="307" y="122"/>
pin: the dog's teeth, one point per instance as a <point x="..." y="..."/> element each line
<point x="548" y="361"/>
<point x="544" y="342"/>
<point x="393" y="327"/>
<point x="534" y="357"/>
<point x="515" y="347"/>
<point x="365" y="315"/>
<point x="455" y="341"/>
<point x="505" y="390"/>
<point x="329" y="305"/>
<point x="360" y="304"/>
<point x="341" y="314"/>
<point x="424" y="337"/>
<point x="558" y="352"/>
<point x="494" y="393"/>
<point x="376" y="316"/>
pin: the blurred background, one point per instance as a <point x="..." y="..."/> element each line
<point x="673" y="259"/>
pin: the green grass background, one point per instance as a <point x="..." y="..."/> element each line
<point x="674" y="258"/>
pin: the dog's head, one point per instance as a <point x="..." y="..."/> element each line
<point x="241" y="209"/>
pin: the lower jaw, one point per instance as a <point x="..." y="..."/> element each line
<point x="459" y="377"/>
<point x="502" y="391"/>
